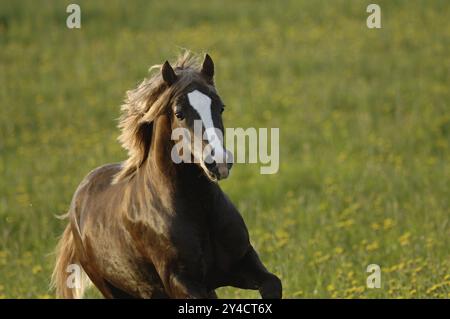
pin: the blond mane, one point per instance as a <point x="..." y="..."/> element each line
<point x="144" y="104"/>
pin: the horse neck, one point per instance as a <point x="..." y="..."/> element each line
<point x="158" y="170"/>
<point x="168" y="180"/>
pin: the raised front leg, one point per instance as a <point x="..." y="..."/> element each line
<point x="250" y="273"/>
<point x="236" y="257"/>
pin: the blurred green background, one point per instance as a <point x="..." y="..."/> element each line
<point x="364" y="120"/>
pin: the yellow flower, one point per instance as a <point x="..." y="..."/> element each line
<point x="375" y="226"/>
<point x="338" y="250"/>
<point x="321" y="259"/>
<point x="346" y="223"/>
<point x="404" y="239"/>
<point x="391" y="269"/>
<point x="433" y="288"/>
<point x="281" y="243"/>
<point x="36" y="269"/>
<point x="388" y="223"/>
<point x="373" y="246"/>
<point x="281" y="234"/>
<point x="418" y="269"/>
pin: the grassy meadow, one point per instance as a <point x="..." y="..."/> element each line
<point x="364" y="118"/>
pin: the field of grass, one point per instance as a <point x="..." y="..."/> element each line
<point x="364" y="118"/>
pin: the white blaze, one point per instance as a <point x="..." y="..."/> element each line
<point x="202" y="104"/>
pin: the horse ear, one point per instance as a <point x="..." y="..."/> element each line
<point x="168" y="74"/>
<point x="208" y="67"/>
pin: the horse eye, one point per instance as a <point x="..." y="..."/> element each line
<point x="222" y="109"/>
<point x="179" y="115"/>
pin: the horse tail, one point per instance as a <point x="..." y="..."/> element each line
<point x="65" y="259"/>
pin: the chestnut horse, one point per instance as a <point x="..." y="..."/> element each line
<point x="153" y="228"/>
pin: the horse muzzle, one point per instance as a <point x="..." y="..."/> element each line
<point x="219" y="170"/>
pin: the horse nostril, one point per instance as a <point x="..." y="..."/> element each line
<point x="223" y="170"/>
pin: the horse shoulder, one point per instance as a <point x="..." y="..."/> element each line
<point x="90" y="191"/>
<point x="229" y="229"/>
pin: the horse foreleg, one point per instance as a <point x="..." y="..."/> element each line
<point x="250" y="273"/>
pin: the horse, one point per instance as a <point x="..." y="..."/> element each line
<point x="152" y="228"/>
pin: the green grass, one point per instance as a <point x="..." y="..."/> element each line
<point x="364" y="120"/>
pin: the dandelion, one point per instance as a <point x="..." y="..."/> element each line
<point x="390" y="269"/>
<point x="281" y="234"/>
<point x="418" y="269"/>
<point x="346" y="223"/>
<point x="322" y="259"/>
<point x="281" y="243"/>
<point x="435" y="287"/>
<point x="373" y="246"/>
<point x="360" y="289"/>
<point x="404" y="239"/>
<point x="401" y="266"/>
<point x="353" y="290"/>
<point x="283" y="238"/>
<point x="388" y="223"/>
<point x="36" y="269"/>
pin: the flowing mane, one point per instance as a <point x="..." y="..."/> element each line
<point x="144" y="104"/>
